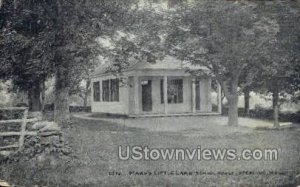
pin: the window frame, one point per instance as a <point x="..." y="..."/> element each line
<point x="114" y="90"/>
<point x="111" y="90"/>
<point x="177" y="84"/>
<point x="96" y="92"/>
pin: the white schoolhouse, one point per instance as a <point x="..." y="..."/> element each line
<point x="163" y="88"/>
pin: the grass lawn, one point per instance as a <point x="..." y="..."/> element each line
<point x="95" y="144"/>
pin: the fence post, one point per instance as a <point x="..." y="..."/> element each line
<point x="23" y="129"/>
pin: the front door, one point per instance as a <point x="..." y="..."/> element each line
<point x="146" y="95"/>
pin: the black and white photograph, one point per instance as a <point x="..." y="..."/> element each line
<point x="149" y="93"/>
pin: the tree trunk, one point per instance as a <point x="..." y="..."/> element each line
<point x="247" y="102"/>
<point x="233" y="110"/>
<point x="85" y="100"/>
<point x="276" y="108"/>
<point x="62" y="88"/>
<point x="230" y="90"/>
<point x="34" y="98"/>
<point x="62" y="78"/>
<point x="86" y="94"/>
<point x="43" y="95"/>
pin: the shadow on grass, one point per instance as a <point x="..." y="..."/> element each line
<point x="108" y="116"/>
<point x="99" y="125"/>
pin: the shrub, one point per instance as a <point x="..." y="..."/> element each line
<point x="50" y="107"/>
<point x="267" y="114"/>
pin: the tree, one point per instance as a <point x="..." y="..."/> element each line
<point x="76" y="26"/>
<point x="224" y="37"/>
<point x="23" y="45"/>
<point x="249" y="82"/>
<point x="81" y="79"/>
<point x="278" y="71"/>
<point x="66" y="37"/>
<point x="141" y="41"/>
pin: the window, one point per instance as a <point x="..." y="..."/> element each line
<point x="105" y="90"/>
<point x="114" y="90"/>
<point x="96" y="94"/>
<point x="110" y="90"/>
<point x="175" y="93"/>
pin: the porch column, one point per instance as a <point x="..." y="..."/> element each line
<point x="219" y="98"/>
<point x="166" y="94"/>
<point x="136" y="95"/>
<point x="101" y="90"/>
<point x="193" y="95"/>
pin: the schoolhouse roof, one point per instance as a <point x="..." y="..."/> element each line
<point x="167" y="63"/>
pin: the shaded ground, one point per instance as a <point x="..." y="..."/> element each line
<point x="175" y="123"/>
<point x="95" y="144"/>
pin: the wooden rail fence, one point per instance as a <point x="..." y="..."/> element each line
<point x="22" y="133"/>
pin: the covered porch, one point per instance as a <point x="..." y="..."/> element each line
<point x="173" y="94"/>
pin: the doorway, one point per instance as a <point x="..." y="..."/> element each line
<point x="197" y="87"/>
<point x="146" y="95"/>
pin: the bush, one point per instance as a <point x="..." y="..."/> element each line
<point x="267" y="114"/>
<point x="225" y="111"/>
<point x="21" y="105"/>
<point x="50" y="107"/>
<point x="291" y="117"/>
<point x="80" y="109"/>
<point x="37" y="146"/>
